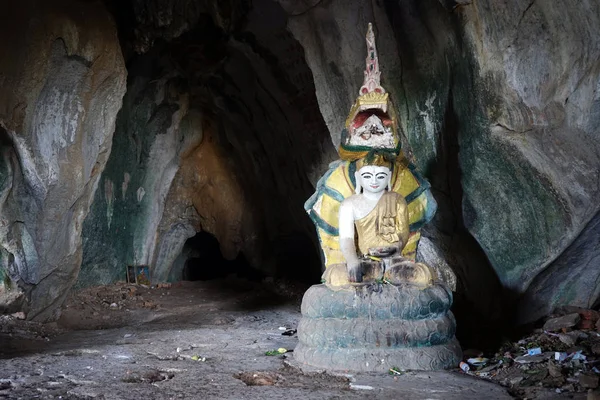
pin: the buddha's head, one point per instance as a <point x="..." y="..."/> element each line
<point x="374" y="173"/>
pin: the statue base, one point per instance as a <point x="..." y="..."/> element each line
<point x="378" y="326"/>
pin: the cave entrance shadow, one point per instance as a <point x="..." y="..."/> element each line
<point x="204" y="263"/>
<point x="484" y="308"/>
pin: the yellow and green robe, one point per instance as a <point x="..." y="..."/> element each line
<point x="339" y="182"/>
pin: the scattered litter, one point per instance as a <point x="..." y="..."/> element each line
<point x="18" y="315"/>
<point x="277" y="352"/>
<point x="127" y="335"/>
<point x="527" y="359"/>
<point x="289" y="332"/>
<point x="395" y="371"/>
<point x="486" y="371"/>
<point x="478" y="361"/>
<point x="360" y="387"/>
<point x="534" y="351"/>
<point x="283" y="328"/>
<point x="198" y="358"/>
<point x="464" y="366"/>
<point x="564" y="357"/>
<point x="560" y="356"/>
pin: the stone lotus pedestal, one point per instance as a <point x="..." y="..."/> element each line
<point x="375" y="327"/>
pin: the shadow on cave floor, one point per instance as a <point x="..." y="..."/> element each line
<point x="229" y="303"/>
<point x="210" y="292"/>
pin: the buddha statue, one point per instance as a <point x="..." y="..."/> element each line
<point x="376" y="307"/>
<point x="373" y="230"/>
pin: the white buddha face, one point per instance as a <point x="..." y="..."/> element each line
<point x="373" y="178"/>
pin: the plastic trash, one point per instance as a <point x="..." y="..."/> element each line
<point x="560" y="356"/>
<point x="464" y="366"/>
<point x="534" y="351"/>
<point x="477" y="361"/>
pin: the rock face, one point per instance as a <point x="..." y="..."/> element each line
<point x="531" y="181"/>
<point x="147" y="146"/>
<point x="62" y="78"/>
<point x="220" y="133"/>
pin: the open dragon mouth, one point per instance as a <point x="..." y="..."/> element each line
<point x="373" y="126"/>
<point x="373" y="132"/>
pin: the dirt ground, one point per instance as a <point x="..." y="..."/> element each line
<point x="194" y="340"/>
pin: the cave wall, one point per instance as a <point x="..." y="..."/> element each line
<point x="235" y="156"/>
<point x="62" y="77"/>
<point x="539" y="63"/>
<point x="152" y="131"/>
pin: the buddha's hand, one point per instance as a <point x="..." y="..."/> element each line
<point x="384" y="251"/>
<point x="354" y="271"/>
<point x="400" y="246"/>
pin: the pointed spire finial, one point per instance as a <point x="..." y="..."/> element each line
<point x="372" y="73"/>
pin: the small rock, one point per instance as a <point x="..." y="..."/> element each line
<point x="554" y="370"/>
<point x="588" y="381"/>
<point x="585" y="313"/>
<point x="567" y="339"/>
<point x="566" y="321"/>
<point x="5" y="384"/>
<point x="114" y="305"/>
<point x="516" y="380"/>
<point x="586" y="324"/>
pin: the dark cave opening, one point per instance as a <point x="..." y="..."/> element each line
<point x="204" y="261"/>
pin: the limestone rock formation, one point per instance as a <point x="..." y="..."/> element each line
<point x="62" y="77"/>
<point x="219" y="133"/>
<point x="540" y="154"/>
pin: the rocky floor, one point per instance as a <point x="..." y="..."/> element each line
<point x="195" y="340"/>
